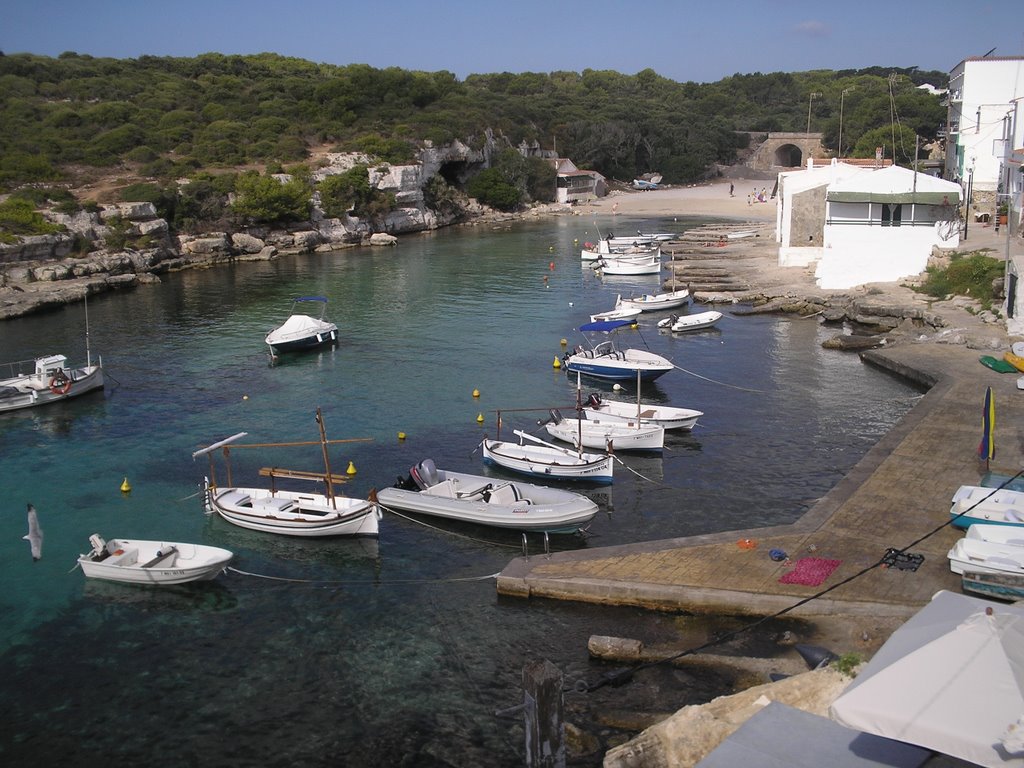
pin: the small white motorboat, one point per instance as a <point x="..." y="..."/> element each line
<point x="152" y="562"/>
<point x="606" y="361"/>
<point x="697" y="322"/>
<point x="979" y="556"/>
<point x="618" y="312"/>
<point x="47" y="379"/>
<point x="535" y="457"/>
<point x="592" y="251"/>
<point x="648" y="264"/>
<point x="665" y="416"/>
<point x="606" y="434"/>
<point x="286" y="512"/>
<point x="301" y="331"/>
<point x="997" y="534"/>
<point x="653" y="302"/>
<point x="488" y="501"/>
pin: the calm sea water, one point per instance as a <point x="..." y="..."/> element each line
<point x="357" y="652"/>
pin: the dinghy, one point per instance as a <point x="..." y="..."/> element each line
<point x="653" y="302"/>
<point x="535" y="457"/>
<point x="134" y="561"/>
<point x="488" y="501"/>
<point x="666" y="416"/>
<point x="606" y="434"/>
<point x="697" y="322"/>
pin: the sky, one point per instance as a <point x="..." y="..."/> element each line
<point x="682" y="40"/>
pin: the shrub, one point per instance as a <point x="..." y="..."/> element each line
<point x="491" y="188"/>
<point x="967" y="275"/>
<point x="20" y="217"/>
<point x="266" y="200"/>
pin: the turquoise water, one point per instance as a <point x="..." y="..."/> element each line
<point x="389" y="652"/>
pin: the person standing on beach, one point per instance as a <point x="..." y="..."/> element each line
<point x="730" y="189"/>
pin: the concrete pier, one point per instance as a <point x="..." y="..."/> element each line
<point x="897" y="494"/>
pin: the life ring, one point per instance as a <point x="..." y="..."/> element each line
<point x="60" y="384"/>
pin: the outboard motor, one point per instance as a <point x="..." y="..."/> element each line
<point x="556" y="416"/>
<point x="594" y="400"/>
<point x="425" y="474"/>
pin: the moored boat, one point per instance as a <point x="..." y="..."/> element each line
<point x="697" y="322"/>
<point x="605" y="434"/>
<point x="606" y="361"/>
<point x="616" y="313"/>
<point x="47" y="379"/>
<point x="653" y="302"/>
<point x="488" y="501"/>
<point x="666" y="416"/>
<point x="301" y="331"/>
<point x="135" y="561"/>
<point x="649" y="264"/>
<point x="535" y="457"/>
<point x="287" y="512"/>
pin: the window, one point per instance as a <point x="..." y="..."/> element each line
<point x="892" y="214"/>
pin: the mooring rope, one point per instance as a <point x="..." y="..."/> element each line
<point x="370" y="582"/>
<point x="624" y="676"/>
<point x="724" y="384"/>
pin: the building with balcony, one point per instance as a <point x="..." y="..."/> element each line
<point x="984" y="125"/>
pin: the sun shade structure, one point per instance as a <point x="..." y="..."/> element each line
<point x="950" y="680"/>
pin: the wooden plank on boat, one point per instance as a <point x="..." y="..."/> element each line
<point x="160" y="557"/>
<point x="298" y="474"/>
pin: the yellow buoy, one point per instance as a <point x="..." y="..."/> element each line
<point x="476" y="393"/>
<point x="480" y="418"/>
<point x="125" y="486"/>
<point x="401" y="435"/>
<point x="557" y="363"/>
<point x="351" y="469"/>
<point x="563" y="342"/>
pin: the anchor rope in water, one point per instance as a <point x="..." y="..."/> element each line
<point x="713" y="381"/>
<point x="369" y="582"/>
<point x="624" y="676"/>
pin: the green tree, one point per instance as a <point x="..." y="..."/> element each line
<point x="491" y="188"/>
<point x="264" y="199"/>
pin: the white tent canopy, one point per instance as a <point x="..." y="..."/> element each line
<point x="894" y="184"/>
<point x="950" y="680"/>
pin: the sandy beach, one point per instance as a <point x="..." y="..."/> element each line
<point x="710" y="199"/>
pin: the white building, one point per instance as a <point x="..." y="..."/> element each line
<point x="575" y="186"/>
<point x="864" y="224"/>
<point x="984" y="125"/>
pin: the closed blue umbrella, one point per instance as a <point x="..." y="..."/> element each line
<point x="987" y="446"/>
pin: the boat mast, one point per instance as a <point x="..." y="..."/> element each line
<point x="88" y="354"/>
<point x="327" y="464"/>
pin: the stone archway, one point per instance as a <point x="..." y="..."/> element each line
<point x="789" y="156"/>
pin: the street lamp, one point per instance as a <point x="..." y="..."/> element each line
<point x="970" y="185"/>
<point x="814" y="95"/>
<point x="841" y="97"/>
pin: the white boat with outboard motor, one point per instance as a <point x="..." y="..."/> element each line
<point x="697" y="322"/>
<point x="135" y="561"/>
<point x="666" y="416"/>
<point x="657" y="301"/>
<point x="482" y="500"/>
<point x="301" y="331"/>
<point x="287" y="512"/>
<point x="538" y="458"/>
<point x="605" y="360"/>
<point x="605" y="434"/>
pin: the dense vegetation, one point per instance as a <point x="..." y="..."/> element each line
<point x="166" y="118"/>
<point x="972" y="274"/>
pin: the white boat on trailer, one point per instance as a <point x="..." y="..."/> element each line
<point x="488" y="501"/>
<point x="666" y="416"/>
<point x="538" y="458"/>
<point x="135" y="561"/>
<point x="697" y="322"/>
<point x="301" y="331"/>
<point x="286" y="512"/>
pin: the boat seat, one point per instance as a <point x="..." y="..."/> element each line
<point x="465" y="492"/>
<point x="128" y="557"/>
<point x="504" y="494"/>
<point x="161" y="556"/>
<point x="445" y="489"/>
<point x="236" y="499"/>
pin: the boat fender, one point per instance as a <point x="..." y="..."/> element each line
<point x="60" y="384"/>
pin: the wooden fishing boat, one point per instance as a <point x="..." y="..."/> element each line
<point x="653" y="302"/>
<point x="1001" y="586"/>
<point x="288" y="512"/>
<point x="666" y="416"/>
<point x="538" y="458"/>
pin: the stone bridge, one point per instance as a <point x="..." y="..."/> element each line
<point x="779" y="151"/>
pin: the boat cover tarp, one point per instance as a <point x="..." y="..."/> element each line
<point x="605" y="325"/>
<point x="780" y="736"/>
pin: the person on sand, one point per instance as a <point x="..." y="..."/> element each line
<point x="730" y="189"/>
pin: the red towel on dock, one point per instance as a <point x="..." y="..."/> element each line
<point x="810" y="571"/>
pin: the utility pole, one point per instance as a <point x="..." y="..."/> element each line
<point x="842" y="96"/>
<point x="814" y="95"/>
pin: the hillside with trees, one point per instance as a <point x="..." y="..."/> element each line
<point x="225" y="121"/>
